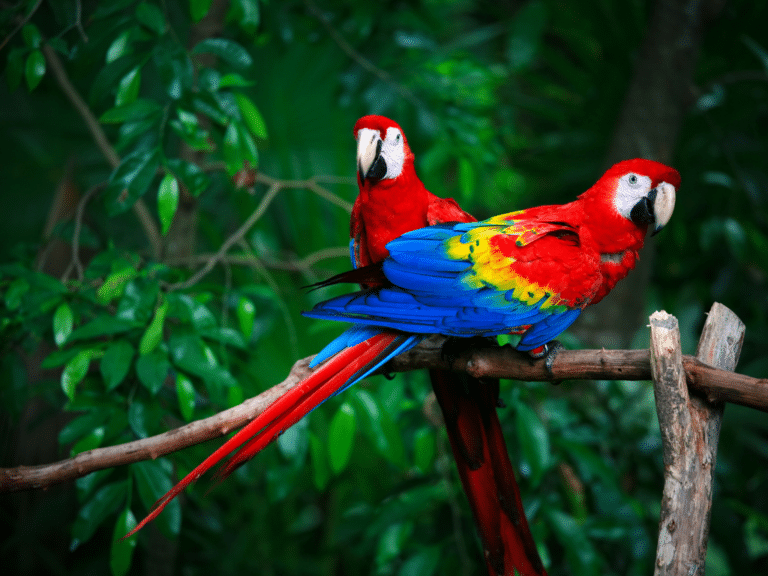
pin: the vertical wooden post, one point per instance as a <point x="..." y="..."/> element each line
<point x="690" y="428"/>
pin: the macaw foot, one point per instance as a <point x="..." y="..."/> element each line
<point x="549" y="352"/>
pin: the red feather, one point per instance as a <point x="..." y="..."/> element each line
<point x="384" y="210"/>
<point x="281" y="415"/>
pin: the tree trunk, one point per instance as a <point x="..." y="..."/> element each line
<point x="652" y="115"/>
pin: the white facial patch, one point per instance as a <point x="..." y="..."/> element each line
<point x="393" y="152"/>
<point x="630" y="190"/>
<point x="391" y="149"/>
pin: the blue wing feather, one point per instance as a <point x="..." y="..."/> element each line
<point x="434" y="292"/>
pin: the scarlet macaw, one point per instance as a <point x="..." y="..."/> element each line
<point x="529" y="272"/>
<point x="392" y="201"/>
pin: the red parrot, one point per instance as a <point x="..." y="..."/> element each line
<point x="392" y="201"/>
<point x="529" y="272"/>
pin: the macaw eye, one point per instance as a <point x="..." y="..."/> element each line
<point x="632" y="179"/>
<point x="397" y="137"/>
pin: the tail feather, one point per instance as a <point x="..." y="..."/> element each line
<point x="341" y="371"/>
<point x="469" y="408"/>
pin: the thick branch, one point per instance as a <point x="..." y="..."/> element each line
<point x="489" y="362"/>
<point x="690" y="429"/>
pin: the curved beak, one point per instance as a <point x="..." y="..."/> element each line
<point x="656" y="208"/>
<point x="370" y="163"/>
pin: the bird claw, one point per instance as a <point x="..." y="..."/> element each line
<point x="549" y="352"/>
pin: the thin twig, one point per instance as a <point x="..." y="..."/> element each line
<point x="233" y="239"/>
<point x="250" y="259"/>
<point x="143" y="214"/>
<point x="77" y="264"/>
<point x="366" y="64"/>
<point x="311" y="184"/>
<point x="21" y="24"/>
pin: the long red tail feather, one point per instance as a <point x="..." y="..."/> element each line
<point x="469" y="408"/>
<point x="281" y="415"/>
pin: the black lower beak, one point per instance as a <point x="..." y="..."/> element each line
<point x="642" y="212"/>
<point x="377" y="169"/>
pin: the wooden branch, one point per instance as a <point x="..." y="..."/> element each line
<point x="488" y="362"/>
<point x="690" y="427"/>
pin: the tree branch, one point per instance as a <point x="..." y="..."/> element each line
<point x="275" y="186"/>
<point x="488" y="362"/>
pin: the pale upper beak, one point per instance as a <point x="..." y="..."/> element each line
<point x="655" y="208"/>
<point x="664" y="205"/>
<point x="370" y="162"/>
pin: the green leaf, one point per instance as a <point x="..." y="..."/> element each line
<point x="234" y="80"/>
<point x="341" y="436"/>
<point x="251" y="116"/>
<point x="187" y="309"/>
<point x="228" y="336"/>
<point x="130" y="180"/>
<point x="109" y="76"/>
<point x="191" y="175"/>
<point x="246" y="314"/>
<point x="62" y="323"/>
<point x="198" y="9"/>
<point x="175" y="69"/>
<point x="82" y="425"/>
<point x="153" y="335"/>
<point x="115" y="283"/>
<point x="228" y="50"/>
<point x="88" y="442"/>
<point x="193" y="356"/>
<point x="188" y="127"/>
<point x="31" y="35"/>
<point x="422" y="563"/>
<point x="231" y="150"/>
<point x="120" y="47"/>
<point x="167" y="201"/>
<point x="15" y="292"/>
<point x="151" y="16"/>
<point x="136" y="110"/>
<point x="152" y="370"/>
<point x="34" y="69"/>
<point x="757" y="50"/>
<point x="152" y="482"/>
<point x="104" y="325"/>
<point x="128" y="88"/>
<point x="121" y="552"/>
<point x="534" y="440"/>
<point x="95" y="511"/>
<point x="137" y="418"/>
<point x="185" y="392"/>
<point x="247" y="147"/>
<point x="115" y="363"/>
<point x="246" y="13"/>
<point x="75" y="371"/>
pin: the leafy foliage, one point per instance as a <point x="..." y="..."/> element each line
<point x="213" y="114"/>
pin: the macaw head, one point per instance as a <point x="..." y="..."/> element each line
<point x="641" y="191"/>
<point x="382" y="150"/>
